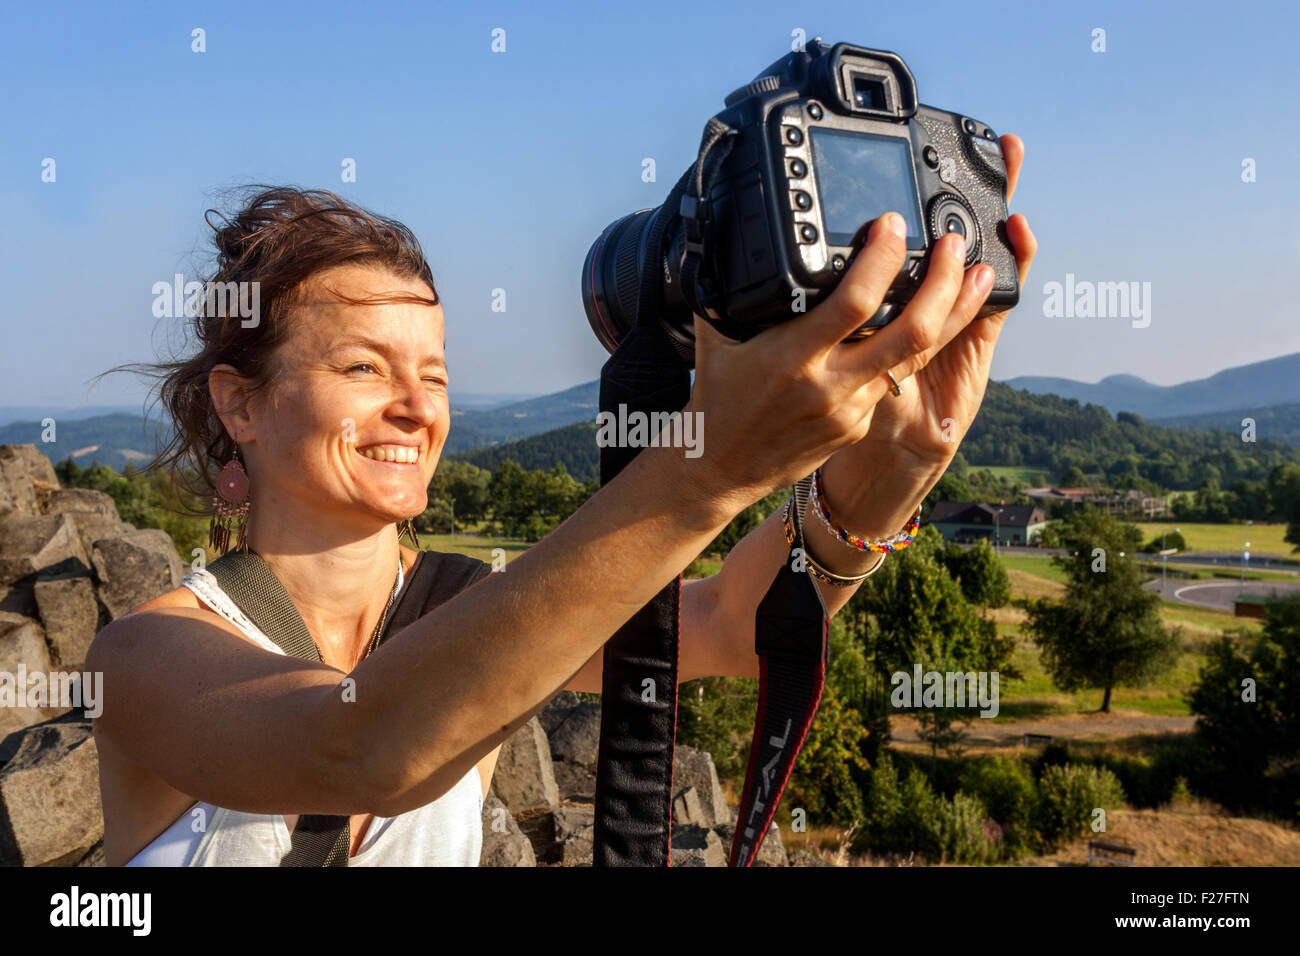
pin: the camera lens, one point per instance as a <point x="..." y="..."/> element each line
<point x="612" y="276"/>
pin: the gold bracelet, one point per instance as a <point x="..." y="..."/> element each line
<point x="815" y="569"/>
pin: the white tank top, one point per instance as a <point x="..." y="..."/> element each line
<point x="446" y="832"/>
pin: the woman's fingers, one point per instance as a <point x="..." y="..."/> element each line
<point x="863" y="288"/>
<point x="1013" y="154"/>
<point x="1026" y="246"/>
<point x="975" y="288"/>
<point x="915" y="334"/>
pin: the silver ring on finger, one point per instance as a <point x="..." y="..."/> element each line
<point x="894" y="388"/>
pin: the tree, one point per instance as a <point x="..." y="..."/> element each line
<point x="1170" y="539"/>
<point x="1073" y="477"/>
<point x="1292" y="535"/>
<point x="1107" y="632"/>
<point x="1247" y="702"/>
<point x="983" y="579"/>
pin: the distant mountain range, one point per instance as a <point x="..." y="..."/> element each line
<point x="1252" y="387"/>
<point x="1268" y="392"/>
<point x="471" y="429"/>
<point x="117" y="434"/>
<point x="112" y="440"/>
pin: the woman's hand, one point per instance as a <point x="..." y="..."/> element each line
<point x="777" y="406"/>
<point x="875" y="485"/>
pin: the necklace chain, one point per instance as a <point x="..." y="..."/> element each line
<point x="383" y="618"/>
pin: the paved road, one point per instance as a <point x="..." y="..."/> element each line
<point x="1218" y="594"/>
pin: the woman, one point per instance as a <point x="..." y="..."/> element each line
<point x="212" y="742"/>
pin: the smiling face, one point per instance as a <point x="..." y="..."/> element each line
<point x="355" y="415"/>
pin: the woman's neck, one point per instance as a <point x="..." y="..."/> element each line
<point x="339" y="577"/>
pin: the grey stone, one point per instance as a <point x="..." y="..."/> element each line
<point x="523" y="778"/>
<point x="575" y="782"/>
<point x="771" y="853"/>
<point x="504" y="844"/>
<point x="573" y="821"/>
<point x="18" y="597"/>
<point x="81" y="501"/>
<point x="697" y="846"/>
<point x="694" y="768"/>
<point x="23" y="470"/>
<point x="134" y="568"/>
<point x="50" y="814"/>
<point x="70" y="613"/>
<point x="539" y="827"/>
<point x="575" y="829"/>
<point x="21" y="643"/>
<point x="29" y="545"/>
<point x="577" y="738"/>
<point x="553" y="714"/>
<point x="95" y="857"/>
<point x="91" y="527"/>
<point x="687" y="808"/>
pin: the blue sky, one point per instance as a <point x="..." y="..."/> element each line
<point x="507" y="165"/>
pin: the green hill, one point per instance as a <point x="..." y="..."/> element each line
<point x="1016" y="430"/>
<point x="473" y="429"/>
<point x="574" y="446"/>
<point x="1276" y="422"/>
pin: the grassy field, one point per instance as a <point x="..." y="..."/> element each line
<point x="1033" y="694"/>
<point x="1223" y="537"/>
<point x="476" y="546"/>
<point x="1042" y="567"/>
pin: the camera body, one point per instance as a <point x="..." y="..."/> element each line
<point x="825" y="140"/>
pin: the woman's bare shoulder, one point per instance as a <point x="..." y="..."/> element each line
<point x="176" y="597"/>
<point x="179" y="607"/>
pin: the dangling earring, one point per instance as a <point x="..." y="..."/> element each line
<point x="230" y="507"/>
<point x="407" y="527"/>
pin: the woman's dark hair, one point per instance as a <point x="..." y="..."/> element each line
<point x="279" y="238"/>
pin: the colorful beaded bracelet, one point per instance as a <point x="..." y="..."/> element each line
<point x="815" y="569"/>
<point x="895" y="542"/>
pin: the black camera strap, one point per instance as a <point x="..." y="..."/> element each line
<point x="634" y="775"/>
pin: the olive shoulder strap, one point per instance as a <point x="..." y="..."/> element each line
<point x="324" y="839"/>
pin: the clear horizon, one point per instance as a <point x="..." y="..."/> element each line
<point x="1134" y="168"/>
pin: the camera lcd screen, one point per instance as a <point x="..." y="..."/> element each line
<point x="860" y="176"/>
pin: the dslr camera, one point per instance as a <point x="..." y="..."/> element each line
<point x="768" y="219"/>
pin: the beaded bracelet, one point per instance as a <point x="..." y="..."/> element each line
<point x="895" y="542"/>
<point x="815" y="569"/>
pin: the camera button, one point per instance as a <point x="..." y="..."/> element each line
<point x="815" y="110"/>
<point x="802" y="200"/>
<point x="808" y="233"/>
<point x="931" y="157"/>
<point x="798" y="168"/>
<point x="969" y="126"/>
<point x="793" y="136"/>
